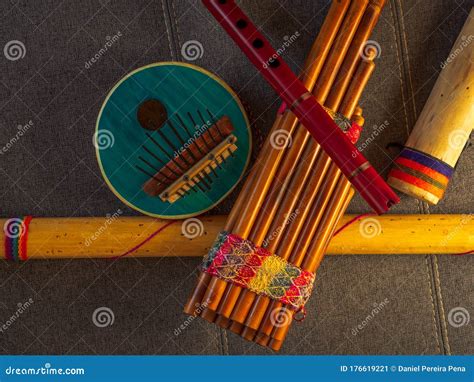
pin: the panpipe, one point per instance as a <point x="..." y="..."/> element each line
<point x="426" y="164"/>
<point x="304" y="106"/>
<point x="109" y="237"/>
<point x="295" y="196"/>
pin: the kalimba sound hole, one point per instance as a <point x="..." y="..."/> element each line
<point x="152" y="114"/>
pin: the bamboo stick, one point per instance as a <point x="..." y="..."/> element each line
<point x="64" y="238"/>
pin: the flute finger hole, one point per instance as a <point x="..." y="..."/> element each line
<point x="241" y="24"/>
<point x="257" y="43"/>
<point x="274" y="63"/>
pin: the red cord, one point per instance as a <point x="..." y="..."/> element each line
<point x="133" y="249"/>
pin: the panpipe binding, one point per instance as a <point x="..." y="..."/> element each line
<point x="241" y="262"/>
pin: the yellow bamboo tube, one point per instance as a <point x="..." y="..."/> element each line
<point x="59" y="238"/>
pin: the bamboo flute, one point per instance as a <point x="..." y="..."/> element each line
<point x="321" y="90"/>
<point x="272" y="158"/>
<point x="352" y="95"/>
<point x="58" y="238"/>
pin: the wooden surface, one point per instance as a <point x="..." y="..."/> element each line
<point x="58" y="238"/>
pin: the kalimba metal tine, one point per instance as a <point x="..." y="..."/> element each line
<point x="170" y="144"/>
<point x="175" y="131"/>
<point x="166" y="153"/>
<point x="203" y="181"/>
<point x="214" y="122"/>
<point x="191" y="135"/>
<point x="207" y="177"/>
<point x="148" y="174"/>
<point x="213" y="158"/>
<point x="206" y="123"/>
<point x="196" y="126"/>
<point x="160" y="161"/>
<point x="213" y="171"/>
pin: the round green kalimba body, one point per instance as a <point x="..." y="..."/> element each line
<point x="124" y="142"/>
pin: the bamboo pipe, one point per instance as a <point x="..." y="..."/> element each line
<point x="270" y="220"/>
<point x="321" y="90"/>
<point x="64" y="238"/>
<point x="426" y="164"/>
<point x="338" y="205"/>
<point x="361" y="76"/>
<point x="260" y="313"/>
<point x="272" y="158"/>
<point x="351" y="98"/>
<point x="367" y="25"/>
<point x="307" y="182"/>
<point x="358" y="83"/>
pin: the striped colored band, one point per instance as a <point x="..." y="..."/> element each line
<point x="403" y="176"/>
<point x="16" y="238"/>
<point x="443" y="180"/>
<point x="428" y="161"/>
<point x="241" y="262"/>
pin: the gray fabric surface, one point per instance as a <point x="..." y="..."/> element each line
<point x="52" y="171"/>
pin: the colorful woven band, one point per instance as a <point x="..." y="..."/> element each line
<point x="16" y="238"/>
<point x="351" y="129"/>
<point x="241" y="262"/>
<point x="423" y="171"/>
